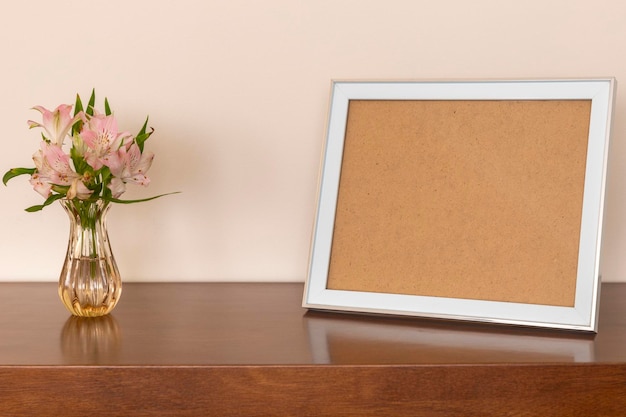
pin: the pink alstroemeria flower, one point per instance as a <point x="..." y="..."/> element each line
<point x="40" y="184"/>
<point x="53" y="168"/>
<point x="56" y="123"/>
<point x="128" y="165"/>
<point x="102" y="139"/>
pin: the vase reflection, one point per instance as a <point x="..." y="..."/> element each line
<point x="91" y="340"/>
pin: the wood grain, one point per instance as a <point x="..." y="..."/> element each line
<point x="402" y="390"/>
<point x="251" y="350"/>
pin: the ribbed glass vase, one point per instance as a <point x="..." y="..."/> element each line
<point x="90" y="284"/>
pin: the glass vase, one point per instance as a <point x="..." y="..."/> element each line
<point x="90" y="284"/>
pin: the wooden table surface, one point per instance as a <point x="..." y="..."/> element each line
<point x="193" y="349"/>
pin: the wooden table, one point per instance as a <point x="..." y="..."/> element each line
<point x="251" y="350"/>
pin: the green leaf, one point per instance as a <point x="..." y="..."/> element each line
<point x="143" y="136"/>
<point x="106" y="193"/>
<point x="61" y="189"/>
<point x="49" y="200"/>
<point x="15" y="172"/>
<point x="97" y="188"/>
<point x="116" y="200"/>
<point x="107" y="108"/>
<point x="144" y="127"/>
<point x="105" y="173"/>
<point x="92" y="102"/>
<point x="78" y="107"/>
<point x="79" y="161"/>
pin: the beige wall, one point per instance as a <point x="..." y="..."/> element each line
<point x="238" y="94"/>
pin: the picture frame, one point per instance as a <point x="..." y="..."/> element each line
<point x="463" y="200"/>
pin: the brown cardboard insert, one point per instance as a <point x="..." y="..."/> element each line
<point x="471" y="199"/>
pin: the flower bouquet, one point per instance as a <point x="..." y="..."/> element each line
<point x="85" y="162"/>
